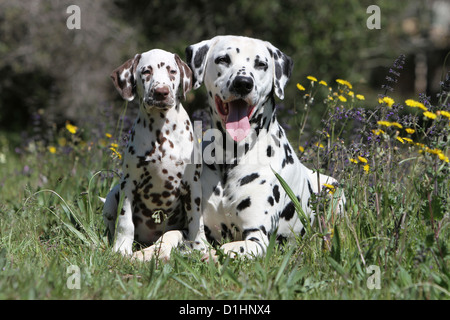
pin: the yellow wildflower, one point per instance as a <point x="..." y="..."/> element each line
<point x="330" y="187"/>
<point x="415" y="104"/>
<point x="389" y="101"/>
<point x="443" y="157"/>
<point x="378" y="132"/>
<point x="345" y="83"/>
<point x="384" y="123"/>
<point x="400" y="139"/>
<point x="300" y="87"/>
<point x="114" y="145"/>
<point x="108" y="135"/>
<point x="353" y="160"/>
<point x="323" y="83"/>
<point x="366" y="168"/>
<point x="342" y="98"/>
<point x="351" y="94"/>
<point x="71" y="128"/>
<point x="430" y="115"/>
<point x="360" y="97"/>
<point x="311" y="78"/>
<point x="51" y="149"/>
<point x="408" y="140"/>
<point x="301" y="149"/>
<point x="410" y="130"/>
<point x="116" y="152"/>
<point x="396" y="124"/>
<point x="445" y="113"/>
<point x="319" y="145"/>
<point x="362" y="159"/>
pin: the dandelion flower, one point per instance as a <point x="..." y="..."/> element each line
<point x="430" y="115"/>
<point x="366" y="168"/>
<point x="116" y="152"/>
<point x="389" y="101"/>
<point x="362" y="159"/>
<point x="360" y="97"/>
<point x="415" y="104"/>
<point x="396" y="124"/>
<point x="300" y="87"/>
<point x="443" y="157"/>
<point x="401" y="140"/>
<point x="384" y="123"/>
<point x="323" y="83"/>
<point x="51" y="149"/>
<point x="342" y="98"/>
<point x="351" y="94"/>
<point x="71" y="128"/>
<point x="301" y="149"/>
<point x="311" y="78"/>
<point x="330" y="187"/>
<point x="108" y="135"/>
<point x="410" y="130"/>
<point x="114" y="145"/>
<point x="407" y="140"/>
<point x="319" y="145"/>
<point x="345" y="83"/>
<point x="378" y="132"/>
<point x="353" y="160"/>
<point x="445" y="113"/>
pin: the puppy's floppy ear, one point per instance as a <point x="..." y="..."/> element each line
<point x="196" y="57"/>
<point x="185" y="76"/>
<point x="282" y="69"/>
<point x="124" y="78"/>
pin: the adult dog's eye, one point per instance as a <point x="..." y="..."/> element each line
<point x="146" y="72"/>
<point x="173" y="71"/>
<point x="223" y="59"/>
<point x="261" y="65"/>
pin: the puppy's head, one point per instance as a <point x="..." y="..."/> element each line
<point x="161" y="78"/>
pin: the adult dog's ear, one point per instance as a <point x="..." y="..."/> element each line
<point x="282" y="69"/>
<point x="196" y="57"/>
<point x="185" y="76"/>
<point x="124" y="78"/>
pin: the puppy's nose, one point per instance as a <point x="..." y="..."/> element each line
<point x="161" y="93"/>
<point x="242" y="85"/>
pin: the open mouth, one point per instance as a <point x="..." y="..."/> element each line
<point x="235" y="114"/>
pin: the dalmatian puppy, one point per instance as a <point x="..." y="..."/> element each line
<point x="160" y="192"/>
<point x="242" y="198"/>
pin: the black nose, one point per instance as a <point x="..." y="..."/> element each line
<point x="242" y="85"/>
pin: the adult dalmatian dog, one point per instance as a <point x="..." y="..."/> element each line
<point x="242" y="198"/>
<point x="160" y="188"/>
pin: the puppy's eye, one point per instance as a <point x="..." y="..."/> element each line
<point x="146" y="72"/>
<point x="173" y="71"/>
<point x="223" y="59"/>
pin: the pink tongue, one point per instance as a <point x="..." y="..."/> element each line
<point x="237" y="124"/>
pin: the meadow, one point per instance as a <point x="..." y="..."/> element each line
<point x="391" y="158"/>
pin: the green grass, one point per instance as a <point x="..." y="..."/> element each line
<point x="397" y="220"/>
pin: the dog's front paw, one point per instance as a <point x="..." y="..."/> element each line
<point x="159" y="251"/>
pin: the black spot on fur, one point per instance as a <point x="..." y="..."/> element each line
<point x="249" y="178"/>
<point x="244" y="204"/>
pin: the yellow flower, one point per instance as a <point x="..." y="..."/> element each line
<point x="319" y="145"/>
<point x="366" y="168"/>
<point x="330" y="187"/>
<point x="400" y="139"/>
<point x="323" y="83"/>
<point x="116" y="152"/>
<point x="410" y="130"/>
<point x="408" y="140"/>
<point x="378" y="132"/>
<point x="445" y="113"/>
<point x="362" y="159"/>
<point x="396" y="124"/>
<point x="114" y="145"/>
<point x="390" y="124"/>
<point x="353" y="160"/>
<point x="415" y="104"/>
<point x="343" y="99"/>
<point x="351" y="94"/>
<point x="360" y="97"/>
<point x="71" y="128"/>
<point x="345" y="83"/>
<point x="51" y="149"/>
<point x="300" y="87"/>
<point x="430" y="115"/>
<point x="108" y="135"/>
<point x="311" y="78"/>
<point x="389" y="101"/>
<point x="301" y="149"/>
<point x="443" y="157"/>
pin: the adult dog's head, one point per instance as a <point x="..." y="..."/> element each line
<point x="160" y="77"/>
<point x="240" y="74"/>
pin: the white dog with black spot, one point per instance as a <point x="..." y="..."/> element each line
<point x="243" y="200"/>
